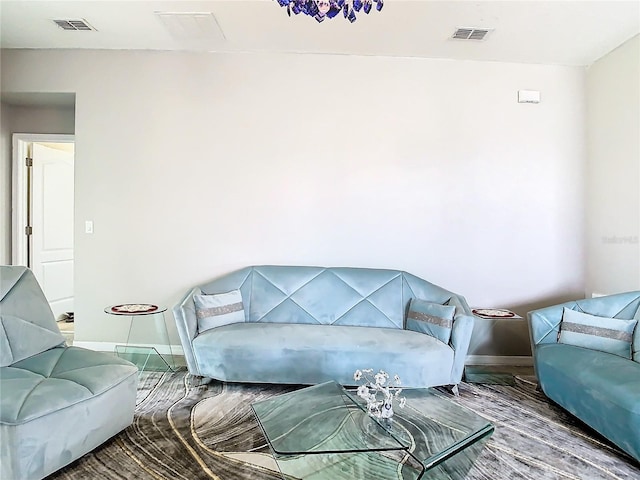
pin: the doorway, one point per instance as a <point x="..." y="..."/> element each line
<point x="43" y="215"/>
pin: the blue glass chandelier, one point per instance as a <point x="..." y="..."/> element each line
<point x="321" y="9"/>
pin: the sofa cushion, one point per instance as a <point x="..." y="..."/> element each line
<point x="601" y="389"/>
<point x="218" y="309"/>
<point x="310" y="354"/>
<point x="328" y="296"/>
<point x="431" y="318"/>
<point x="319" y="295"/>
<point x="611" y="335"/>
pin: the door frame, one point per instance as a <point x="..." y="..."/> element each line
<point x="19" y="188"/>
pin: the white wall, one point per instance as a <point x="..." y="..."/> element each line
<point x="23" y="119"/>
<point x="5" y="186"/>
<point x="192" y="165"/>
<point x="613" y="193"/>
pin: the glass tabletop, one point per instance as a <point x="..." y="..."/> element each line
<point x="321" y="419"/>
<point x="324" y="433"/>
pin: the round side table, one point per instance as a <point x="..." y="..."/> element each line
<point x="143" y="355"/>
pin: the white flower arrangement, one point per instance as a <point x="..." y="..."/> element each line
<point x="375" y="384"/>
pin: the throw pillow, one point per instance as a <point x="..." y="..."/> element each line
<point x="431" y="318"/>
<point x="611" y="335"/>
<point x="219" y="309"/>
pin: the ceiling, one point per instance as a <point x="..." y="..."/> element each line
<point x="545" y="32"/>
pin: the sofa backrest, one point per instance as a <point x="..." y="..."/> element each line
<point x="27" y="324"/>
<point x="330" y="296"/>
<point x="545" y="323"/>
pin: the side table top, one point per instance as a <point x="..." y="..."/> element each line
<point x="131" y="309"/>
<point x="495" y="314"/>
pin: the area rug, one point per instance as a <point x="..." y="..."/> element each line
<point x="186" y="428"/>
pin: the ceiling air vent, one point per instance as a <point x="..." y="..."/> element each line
<point x="470" y="33"/>
<point x="78" y="25"/>
<point x="191" y="25"/>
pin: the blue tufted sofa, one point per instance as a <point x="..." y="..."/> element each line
<point x="56" y="402"/>
<point x="601" y="389"/>
<point x="306" y="325"/>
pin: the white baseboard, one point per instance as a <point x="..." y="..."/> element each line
<point x="515" y="361"/>
<point x="111" y="347"/>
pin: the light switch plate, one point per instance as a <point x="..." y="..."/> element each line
<point x="528" y="96"/>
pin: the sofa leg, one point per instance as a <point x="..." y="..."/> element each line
<point x="455" y="391"/>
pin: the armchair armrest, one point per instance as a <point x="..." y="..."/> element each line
<point x="187" y="326"/>
<point x="544" y="324"/>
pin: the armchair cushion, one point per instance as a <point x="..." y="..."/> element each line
<point x="610" y="335"/>
<point x="431" y="318"/>
<point x="27" y="324"/>
<point x="57" y="403"/>
<point x="217" y="310"/>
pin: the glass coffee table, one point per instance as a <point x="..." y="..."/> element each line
<point x="324" y="432"/>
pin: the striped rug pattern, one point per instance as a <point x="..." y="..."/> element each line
<point x="187" y="428"/>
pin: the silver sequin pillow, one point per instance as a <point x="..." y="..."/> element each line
<point x="611" y="335"/>
<point x="431" y="319"/>
<point x="218" y="309"/>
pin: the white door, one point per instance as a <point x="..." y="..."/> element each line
<point x="52" y="221"/>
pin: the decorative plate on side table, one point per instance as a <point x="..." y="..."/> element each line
<point x="493" y="313"/>
<point x="132" y="308"/>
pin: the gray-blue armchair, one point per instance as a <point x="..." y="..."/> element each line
<point x="587" y="359"/>
<point x="57" y="403"/>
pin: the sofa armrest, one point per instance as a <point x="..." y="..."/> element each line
<point x="187" y="325"/>
<point x="462" y="307"/>
<point x="544" y="323"/>
<point x="460" y="336"/>
<point x="460" y="339"/>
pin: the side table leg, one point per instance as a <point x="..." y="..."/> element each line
<point x="171" y="363"/>
<point x="129" y="334"/>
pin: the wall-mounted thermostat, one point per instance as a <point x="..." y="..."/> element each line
<point x="528" y="96"/>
